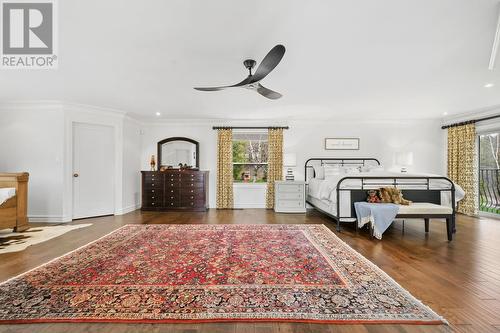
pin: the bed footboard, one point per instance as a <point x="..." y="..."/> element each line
<point x="14" y="212"/>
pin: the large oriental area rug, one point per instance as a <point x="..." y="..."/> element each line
<point x="178" y="273"/>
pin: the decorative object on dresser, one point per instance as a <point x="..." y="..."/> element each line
<point x="152" y="163"/>
<point x="14" y="211"/>
<point x="175" y="189"/>
<point x="342" y="144"/>
<point x="290" y="197"/>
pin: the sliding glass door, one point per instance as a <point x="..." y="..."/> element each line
<point x="489" y="166"/>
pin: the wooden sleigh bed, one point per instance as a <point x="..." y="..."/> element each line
<point x="14" y="211"/>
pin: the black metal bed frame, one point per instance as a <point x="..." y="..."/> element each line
<point x="423" y="192"/>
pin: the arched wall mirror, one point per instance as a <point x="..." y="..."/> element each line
<point x="176" y="150"/>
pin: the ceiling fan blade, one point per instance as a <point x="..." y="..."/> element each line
<point x="267" y="92"/>
<point x="270" y="61"/>
<point x="211" y="88"/>
<point x="242" y="83"/>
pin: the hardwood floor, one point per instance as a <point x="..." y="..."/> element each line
<point x="459" y="280"/>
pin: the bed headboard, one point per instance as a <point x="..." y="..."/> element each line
<point x="351" y="161"/>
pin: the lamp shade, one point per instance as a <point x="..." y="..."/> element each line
<point x="404" y="158"/>
<point x="289" y="159"/>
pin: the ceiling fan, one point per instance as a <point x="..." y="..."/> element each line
<point x="252" y="82"/>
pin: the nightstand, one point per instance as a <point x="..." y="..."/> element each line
<point x="290" y="196"/>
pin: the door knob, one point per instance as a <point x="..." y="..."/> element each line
<point x="75" y="175"/>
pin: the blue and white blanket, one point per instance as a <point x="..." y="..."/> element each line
<point x="380" y="215"/>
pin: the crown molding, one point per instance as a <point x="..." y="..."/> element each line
<point x="468" y="115"/>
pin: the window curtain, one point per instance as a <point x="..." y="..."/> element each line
<point x="274" y="163"/>
<point x="225" y="169"/>
<point x="462" y="165"/>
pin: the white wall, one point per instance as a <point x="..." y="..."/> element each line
<point x="31" y="139"/>
<point x="131" y="165"/>
<point x="379" y="139"/>
<point x="37" y="138"/>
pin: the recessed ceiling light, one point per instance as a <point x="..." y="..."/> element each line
<point x="488" y="85"/>
<point x="445" y="113"/>
<point x="158" y="114"/>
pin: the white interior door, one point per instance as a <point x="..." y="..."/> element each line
<point x="93" y="170"/>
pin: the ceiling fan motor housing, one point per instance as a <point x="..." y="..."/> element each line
<point x="249" y="63"/>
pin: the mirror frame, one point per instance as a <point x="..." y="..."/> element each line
<point x="178" y="138"/>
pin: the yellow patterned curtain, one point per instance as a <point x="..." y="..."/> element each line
<point x="274" y="163"/>
<point x="462" y="164"/>
<point x="225" y="169"/>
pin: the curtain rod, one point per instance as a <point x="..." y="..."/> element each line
<point x="249" y="127"/>
<point x="472" y="121"/>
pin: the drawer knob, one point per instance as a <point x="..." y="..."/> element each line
<point x="192" y="191"/>
<point x="172" y="191"/>
<point x="192" y="184"/>
<point x="171" y="197"/>
<point x="172" y="204"/>
<point x="152" y="191"/>
<point x="152" y="197"/>
<point x="172" y="184"/>
<point x="192" y="197"/>
<point x="153" y="203"/>
<point x="192" y="203"/>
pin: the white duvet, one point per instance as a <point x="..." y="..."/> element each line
<point x="6" y="194"/>
<point x="326" y="189"/>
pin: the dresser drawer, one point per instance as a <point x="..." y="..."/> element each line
<point x="290" y="188"/>
<point x="152" y="191"/>
<point x="291" y="195"/>
<point x="172" y="203"/>
<point x="152" y="197"/>
<point x="192" y="203"/>
<point x="152" y="203"/>
<point x="153" y="185"/>
<point x="290" y="204"/>
<point x="172" y="177"/>
<point x="192" y="184"/>
<point x="171" y="184"/>
<point x="192" y="177"/>
<point x="171" y="191"/>
<point x="192" y="196"/>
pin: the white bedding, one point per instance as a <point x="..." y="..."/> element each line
<point x="6" y="194"/>
<point x="326" y="189"/>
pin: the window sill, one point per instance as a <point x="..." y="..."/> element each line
<point x="249" y="185"/>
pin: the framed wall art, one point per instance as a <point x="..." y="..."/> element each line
<point x="342" y="144"/>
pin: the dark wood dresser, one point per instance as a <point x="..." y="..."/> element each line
<point x="175" y="190"/>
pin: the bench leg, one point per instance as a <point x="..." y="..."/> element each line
<point x="338" y="225"/>
<point x="426" y="221"/>
<point x="449" y="228"/>
<point x="453" y="220"/>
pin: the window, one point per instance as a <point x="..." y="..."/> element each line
<point x="250" y="157"/>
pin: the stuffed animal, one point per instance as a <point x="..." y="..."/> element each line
<point x="392" y="195"/>
<point x="372" y="197"/>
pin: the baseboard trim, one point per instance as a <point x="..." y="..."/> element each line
<point x="49" y="219"/>
<point x="250" y="205"/>
<point x="128" y="209"/>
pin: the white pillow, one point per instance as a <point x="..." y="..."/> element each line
<point x="319" y="172"/>
<point x="332" y="170"/>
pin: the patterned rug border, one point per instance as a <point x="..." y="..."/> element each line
<point x="441" y="320"/>
<point x="64" y="255"/>
<point x="387" y="276"/>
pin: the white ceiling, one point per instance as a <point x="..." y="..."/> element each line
<point x="344" y="59"/>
